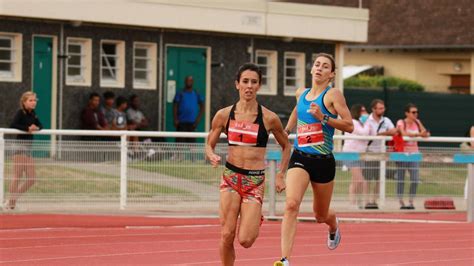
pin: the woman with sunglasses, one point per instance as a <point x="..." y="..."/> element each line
<point x="411" y="126"/>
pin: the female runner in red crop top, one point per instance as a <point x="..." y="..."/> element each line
<point x="247" y="125"/>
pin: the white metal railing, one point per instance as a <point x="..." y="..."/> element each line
<point x="57" y="149"/>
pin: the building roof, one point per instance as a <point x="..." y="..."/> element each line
<point x="435" y="24"/>
<point x="252" y="17"/>
<point x="352" y="70"/>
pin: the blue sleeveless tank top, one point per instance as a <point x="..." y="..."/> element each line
<point x="312" y="137"/>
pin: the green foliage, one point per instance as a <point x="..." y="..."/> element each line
<point x="364" y="81"/>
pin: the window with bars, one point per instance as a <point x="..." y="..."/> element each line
<point x="144" y="65"/>
<point x="7" y="57"/>
<point x="293" y="72"/>
<point x="268" y="63"/>
<point x="112" y="63"/>
<point x="109" y="65"/>
<point x="75" y="64"/>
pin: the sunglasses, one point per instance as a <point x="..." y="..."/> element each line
<point x="414" y="112"/>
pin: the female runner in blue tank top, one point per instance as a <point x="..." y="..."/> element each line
<point x="312" y="161"/>
<point x="247" y="125"/>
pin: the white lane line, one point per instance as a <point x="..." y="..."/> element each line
<point x="376" y="220"/>
<point x="101" y="255"/>
<point x="213" y="240"/>
<point x="417" y="262"/>
<point x="334" y="254"/>
<point x="302" y="231"/>
<point x="170" y="226"/>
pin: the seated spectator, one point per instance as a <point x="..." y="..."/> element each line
<point x="91" y="117"/>
<point x="135" y="117"/>
<point x="120" y="118"/>
<point x="108" y="107"/>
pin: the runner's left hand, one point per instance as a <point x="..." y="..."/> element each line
<point x="280" y="182"/>
<point x="315" y="111"/>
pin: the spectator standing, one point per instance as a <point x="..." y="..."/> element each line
<point x="188" y="108"/>
<point x="26" y="120"/>
<point x="380" y="126"/>
<point x="361" y="128"/>
<point x="411" y="126"/>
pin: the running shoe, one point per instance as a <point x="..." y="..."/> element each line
<point x="282" y="262"/>
<point x="333" y="243"/>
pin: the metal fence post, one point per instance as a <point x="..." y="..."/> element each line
<point x="2" y="169"/>
<point x="470" y="193"/>
<point x="383" y="177"/>
<point x="123" y="171"/>
<point x="271" y="189"/>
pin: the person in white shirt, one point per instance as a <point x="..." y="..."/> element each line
<point x="361" y="128"/>
<point x="380" y="126"/>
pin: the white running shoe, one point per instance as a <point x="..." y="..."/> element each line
<point x="332" y="244"/>
<point x="282" y="262"/>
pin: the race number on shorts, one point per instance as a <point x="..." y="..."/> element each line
<point x="310" y="135"/>
<point x="242" y="133"/>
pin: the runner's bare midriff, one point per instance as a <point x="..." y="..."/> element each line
<point x="248" y="158"/>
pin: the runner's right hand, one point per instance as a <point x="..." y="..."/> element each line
<point x="214" y="159"/>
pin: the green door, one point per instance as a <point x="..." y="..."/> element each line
<point x="182" y="62"/>
<point x="42" y="81"/>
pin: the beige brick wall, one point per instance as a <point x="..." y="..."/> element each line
<point x="432" y="69"/>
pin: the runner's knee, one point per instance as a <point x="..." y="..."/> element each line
<point x="228" y="236"/>
<point x="292" y="205"/>
<point x="246" y="242"/>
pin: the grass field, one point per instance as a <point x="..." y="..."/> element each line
<point x="60" y="180"/>
<point x="436" y="179"/>
<point x="197" y="171"/>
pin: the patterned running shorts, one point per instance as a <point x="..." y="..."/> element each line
<point x="250" y="184"/>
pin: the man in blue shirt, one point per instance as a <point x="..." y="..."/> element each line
<point x="188" y="107"/>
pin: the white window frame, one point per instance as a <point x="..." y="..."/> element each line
<point x="119" y="80"/>
<point x="271" y="85"/>
<point x="313" y="58"/>
<point x="84" y="79"/>
<point x="16" y="57"/>
<point x="150" y="82"/>
<point x="300" y="72"/>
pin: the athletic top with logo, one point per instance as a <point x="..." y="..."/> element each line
<point x="241" y="133"/>
<point x="311" y="136"/>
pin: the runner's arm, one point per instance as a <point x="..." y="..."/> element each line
<point x="217" y="127"/>
<point x="282" y="139"/>
<point x="345" y="123"/>
<point x="292" y="121"/>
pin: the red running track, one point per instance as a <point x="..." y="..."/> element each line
<point x="164" y="241"/>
